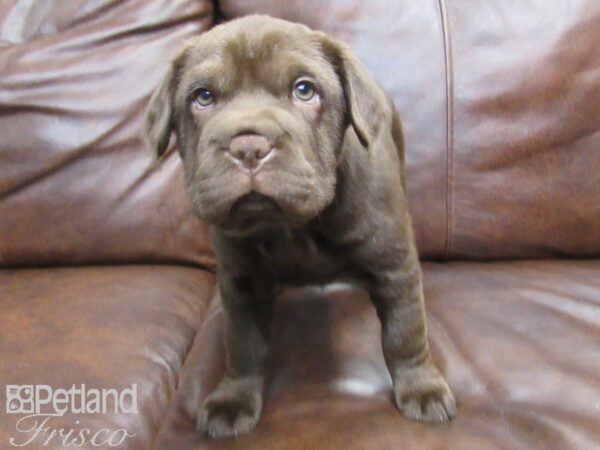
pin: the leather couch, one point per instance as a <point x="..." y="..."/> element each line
<point x="107" y="280"/>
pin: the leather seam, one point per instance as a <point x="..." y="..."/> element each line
<point x="449" y="127"/>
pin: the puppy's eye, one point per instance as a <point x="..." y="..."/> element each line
<point x="305" y="92"/>
<point x="203" y="98"/>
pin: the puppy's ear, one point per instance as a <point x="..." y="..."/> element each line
<point x="160" y="122"/>
<point x="367" y="106"/>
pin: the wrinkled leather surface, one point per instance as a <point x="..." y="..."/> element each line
<point x="106" y="327"/>
<point x="501" y="107"/>
<point x="75" y="184"/>
<point x="524" y="180"/>
<point x="517" y="341"/>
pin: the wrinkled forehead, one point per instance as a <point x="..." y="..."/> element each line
<point x="269" y="58"/>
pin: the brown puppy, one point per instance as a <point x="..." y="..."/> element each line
<point x="295" y="155"/>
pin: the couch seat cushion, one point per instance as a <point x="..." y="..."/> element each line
<point x="518" y="341"/>
<point x="105" y="327"/>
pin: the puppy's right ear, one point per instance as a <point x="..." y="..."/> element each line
<point x="160" y="121"/>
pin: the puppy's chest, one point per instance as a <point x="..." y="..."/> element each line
<point x="300" y="257"/>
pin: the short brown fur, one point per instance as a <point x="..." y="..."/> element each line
<point x="329" y="204"/>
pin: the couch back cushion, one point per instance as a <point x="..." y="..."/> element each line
<point x="501" y="107"/>
<point x="75" y="184"/>
<point x="525" y="174"/>
<point x="500" y="104"/>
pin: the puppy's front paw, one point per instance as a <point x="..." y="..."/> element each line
<point x="422" y="394"/>
<point x="232" y="409"/>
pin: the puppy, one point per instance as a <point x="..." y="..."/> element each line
<point x="295" y="156"/>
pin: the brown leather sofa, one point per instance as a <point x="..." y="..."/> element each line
<point x="107" y="280"/>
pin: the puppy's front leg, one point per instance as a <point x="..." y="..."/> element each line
<point x="420" y="391"/>
<point x="235" y="405"/>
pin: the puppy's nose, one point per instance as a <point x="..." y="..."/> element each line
<point x="249" y="150"/>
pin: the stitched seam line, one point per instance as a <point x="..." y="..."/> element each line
<point x="449" y="126"/>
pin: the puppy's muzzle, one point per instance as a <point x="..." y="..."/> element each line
<point x="249" y="152"/>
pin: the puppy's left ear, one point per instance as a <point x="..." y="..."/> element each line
<point x="160" y="120"/>
<point x="369" y="111"/>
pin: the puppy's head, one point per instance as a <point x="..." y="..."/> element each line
<point x="260" y="107"/>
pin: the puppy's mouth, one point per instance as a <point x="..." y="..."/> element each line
<point x="254" y="210"/>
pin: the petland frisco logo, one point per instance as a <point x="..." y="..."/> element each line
<point x="41" y="403"/>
